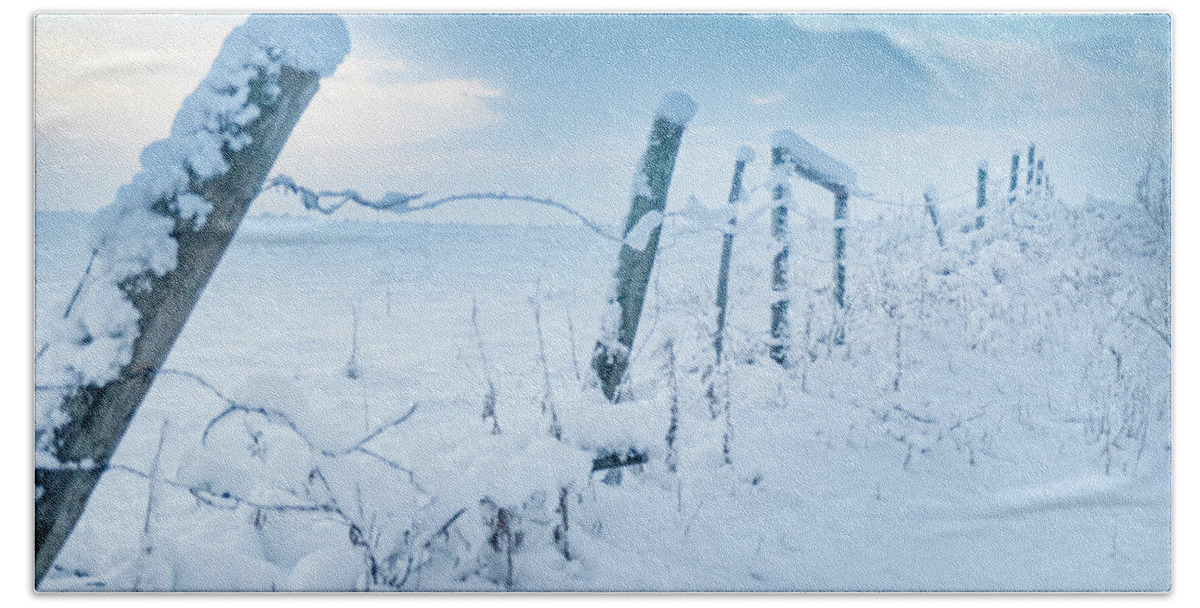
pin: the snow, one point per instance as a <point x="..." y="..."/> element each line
<point x="132" y="237"/>
<point x="610" y="323"/>
<point x="638" y="237"/>
<point x="998" y="416"/>
<point x="596" y="425"/>
<point x="1009" y="414"/>
<point x="677" y="108"/>
<point x="811" y="161"/>
<point x="327" y="570"/>
<point x="641" y="186"/>
<point x="308" y="43"/>
<point x="745" y="154"/>
<point x="193" y="207"/>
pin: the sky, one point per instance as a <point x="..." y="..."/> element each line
<point x="560" y="106"/>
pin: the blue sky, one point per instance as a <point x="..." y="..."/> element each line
<point x="560" y="105"/>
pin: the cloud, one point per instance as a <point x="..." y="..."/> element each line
<point x="120" y="78"/>
<point x="445" y="102"/>
<point x="767" y="99"/>
<point x="1003" y="69"/>
<point x="367" y="106"/>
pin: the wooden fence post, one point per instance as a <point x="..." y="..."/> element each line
<point x="981" y="195"/>
<point x="782" y="195"/>
<point x="840" y="196"/>
<point x="99" y="416"/>
<point x="1029" y="175"/>
<point x="1012" y="182"/>
<point x="636" y="260"/>
<point x="931" y="208"/>
<point x="1040" y="172"/>
<point x="745" y="155"/>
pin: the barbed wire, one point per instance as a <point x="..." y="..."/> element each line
<point x="716" y="221"/>
<point x="402" y="203"/>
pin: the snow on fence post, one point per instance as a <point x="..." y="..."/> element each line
<point x="642" y="229"/>
<point x="931" y="208"/>
<point x="981" y="195"/>
<point x="1040" y="172"/>
<point x="165" y="233"/>
<point x="1012" y="182"/>
<point x="744" y="156"/>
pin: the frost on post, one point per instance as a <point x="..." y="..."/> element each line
<point x="155" y="247"/>
<point x="636" y="260"/>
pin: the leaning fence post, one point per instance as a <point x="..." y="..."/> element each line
<point x="98" y="416"/>
<point x="642" y="229"/>
<point x="1012" y="182"/>
<point x="931" y="208"/>
<point x="745" y="155"/>
<point x="782" y="195"/>
<point x="981" y="195"/>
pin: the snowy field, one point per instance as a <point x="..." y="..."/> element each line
<point x="997" y="416"/>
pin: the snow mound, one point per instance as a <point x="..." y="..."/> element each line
<point x="597" y="425"/>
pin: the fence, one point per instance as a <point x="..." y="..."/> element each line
<point x="98" y="415"/>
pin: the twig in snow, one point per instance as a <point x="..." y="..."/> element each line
<point x="151" y="499"/>
<point x="79" y="287"/>
<point x="489" y="400"/>
<point x="547" y="394"/>
<point x="574" y="356"/>
<point x="282" y="418"/>
<point x="352" y="371"/>
<point x="1161" y="334"/>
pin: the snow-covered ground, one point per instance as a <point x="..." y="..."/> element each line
<point x="997" y="416"/>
